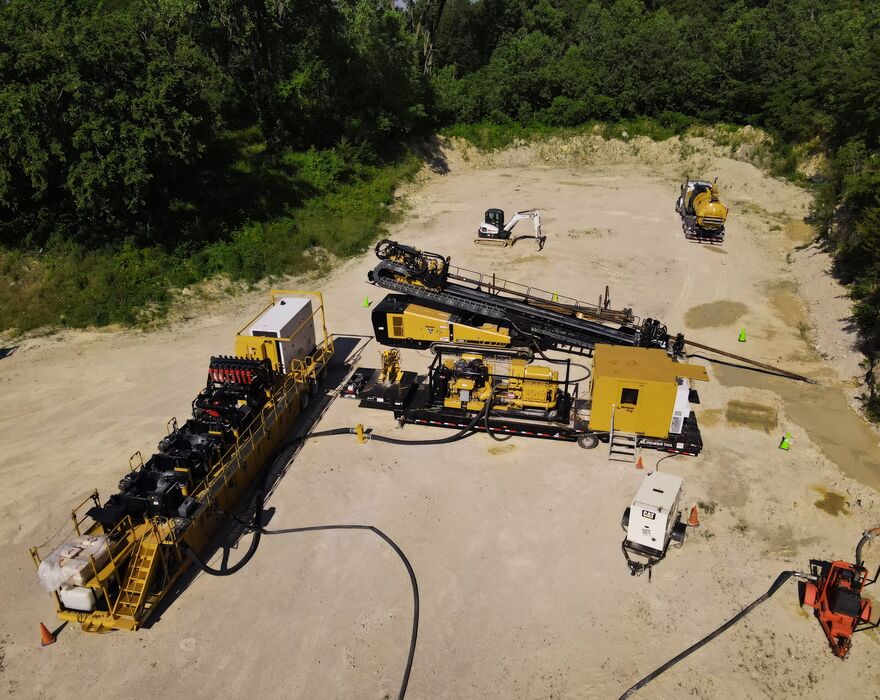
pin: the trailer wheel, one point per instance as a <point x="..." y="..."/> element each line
<point x="679" y="532"/>
<point x="303" y="401"/>
<point x="314" y="386"/>
<point x="588" y="442"/>
<point x="624" y="521"/>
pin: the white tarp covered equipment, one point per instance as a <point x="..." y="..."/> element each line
<point x="71" y="562"/>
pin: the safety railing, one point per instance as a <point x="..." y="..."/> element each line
<point x="295" y="381"/>
<point x="494" y="284"/>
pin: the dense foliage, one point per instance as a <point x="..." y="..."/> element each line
<point x="156" y="142"/>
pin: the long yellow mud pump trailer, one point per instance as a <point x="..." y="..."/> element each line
<point x="122" y="555"/>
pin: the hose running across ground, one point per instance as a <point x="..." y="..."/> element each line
<point x="258" y="531"/>
<point x="777" y="584"/>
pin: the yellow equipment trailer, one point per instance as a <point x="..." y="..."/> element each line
<point x="124" y="555"/>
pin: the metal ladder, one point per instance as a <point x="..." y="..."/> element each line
<point x="622" y="446"/>
<point x="140" y="571"/>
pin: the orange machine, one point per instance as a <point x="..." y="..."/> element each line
<point x="836" y="597"/>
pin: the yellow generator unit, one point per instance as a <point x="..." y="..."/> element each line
<point x="641" y="391"/>
<point x="509" y="383"/>
<point x="702" y="212"/>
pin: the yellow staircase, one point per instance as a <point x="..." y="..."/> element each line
<point x="134" y="589"/>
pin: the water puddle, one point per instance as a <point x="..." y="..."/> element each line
<point x="783" y="299"/>
<point x="831" y="502"/>
<point x="822" y="411"/>
<point x="709" y="417"/>
<point x="751" y="415"/>
<point x="715" y="314"/>
<point x="799" y="232"/>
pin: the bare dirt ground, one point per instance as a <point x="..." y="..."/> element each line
<point x="524" y="591"/>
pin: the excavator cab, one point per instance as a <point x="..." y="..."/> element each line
<point x="493" y="225"/>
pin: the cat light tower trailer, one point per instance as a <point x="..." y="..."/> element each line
<point x="653" y="522"/>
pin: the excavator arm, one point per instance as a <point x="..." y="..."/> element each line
<point x="533" y="214"/>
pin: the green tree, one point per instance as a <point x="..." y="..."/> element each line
<point x="100" y="109"/>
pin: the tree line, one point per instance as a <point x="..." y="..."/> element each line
<point x="177" y="124"/>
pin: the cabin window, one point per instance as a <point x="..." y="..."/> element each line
<point x="629" y="396"/>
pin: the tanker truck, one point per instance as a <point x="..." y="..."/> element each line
<point x="702" y="212"/>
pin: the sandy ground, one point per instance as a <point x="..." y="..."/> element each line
<point x="524" y="591"/>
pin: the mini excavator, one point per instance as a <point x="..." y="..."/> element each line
<point x="702" y="213"/>
<point x="493" y="230"/>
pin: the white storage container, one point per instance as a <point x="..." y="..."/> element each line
<point x="290" y="317"/>
<point x="77" y="598"/>
<point x="682" y="408"/>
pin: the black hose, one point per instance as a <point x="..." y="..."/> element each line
<point x="782" y="578"/>
<point x="486" y="424"/>
<point x="409" y="570"/>
<point x="657" y="466"/>
<point x="586" y="369"/>
<point x="225" y="571"/>
<point x="465" y="432"/>
<point x="258" y="531"/>
<point x="252" y="549"/>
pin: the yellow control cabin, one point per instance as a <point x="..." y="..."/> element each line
<point x="640" y="390"/>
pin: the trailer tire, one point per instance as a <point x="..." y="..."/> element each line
<point x="624" y="521"/>
<point x="679" y="532"/>
<point x="588" y="442"/>
<point x="314" y="386"/>
<point x="303" y="401"/>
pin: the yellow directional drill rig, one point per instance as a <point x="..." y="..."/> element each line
<point x="485" y="332"/>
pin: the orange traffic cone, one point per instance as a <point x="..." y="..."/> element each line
<point x="46" y="637"/>
<point x="640" y="464"/>
<point x="694" y="519"/>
